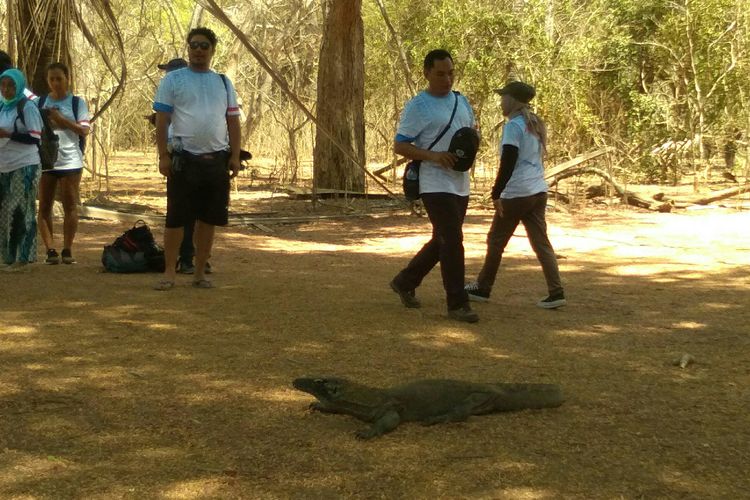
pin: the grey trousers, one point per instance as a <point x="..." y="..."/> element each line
<point x="528" y="210"/>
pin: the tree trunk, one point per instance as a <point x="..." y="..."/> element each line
<point x="340" y="102"/>
<point x="42" y="32"/>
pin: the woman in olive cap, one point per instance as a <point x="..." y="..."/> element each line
<point x="520" y="195"/>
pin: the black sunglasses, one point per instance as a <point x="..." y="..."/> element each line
<point x="202" y="45"/>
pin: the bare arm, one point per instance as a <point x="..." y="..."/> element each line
<point x="162" y="125"/>
<point x="444" y="158"/>
<point x="60" y="121"/>
<point x="235" y="139"/>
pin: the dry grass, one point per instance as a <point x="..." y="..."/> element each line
<point x="111" y="390"/>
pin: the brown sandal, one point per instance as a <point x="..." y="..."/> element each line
<point x="203" y="283"/>
<point x="164" y="285"/>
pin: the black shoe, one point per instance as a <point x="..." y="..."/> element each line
<point x="52" y="257"/>
<point x="553" y="301"/>
<point x="185" y="267"/>
<point x="67" y="257"/>
<point x="475" y="294"/>
<point x="408" y="299"/>
<point x="464" y="313"/>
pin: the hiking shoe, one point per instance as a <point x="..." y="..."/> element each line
<point x="185" y="267"/>
<point x="464" y="313"/>
<point x="553" y="301"/>
<point x="408" y="298"/>
<point x="67" y="257"/>
<point x="475" y="294"/>
<point x="52" y="257"/>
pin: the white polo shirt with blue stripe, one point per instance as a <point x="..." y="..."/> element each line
<point x="422" y="120"/>
<point x="199" y="104"/>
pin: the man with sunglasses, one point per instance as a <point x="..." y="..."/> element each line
<point x="202" y="108"/>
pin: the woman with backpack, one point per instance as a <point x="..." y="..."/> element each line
<point x="69" y="117"/>
<point x="20" y="131"/>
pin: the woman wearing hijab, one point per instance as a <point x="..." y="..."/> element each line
<point x="520" y="196"/>
<point x="20" y="133"/>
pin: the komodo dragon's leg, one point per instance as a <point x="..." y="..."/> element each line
<point x="386" y="423"/>
<point x="462" y="411"/>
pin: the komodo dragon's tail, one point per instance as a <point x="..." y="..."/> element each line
<point x="528" y="396"/>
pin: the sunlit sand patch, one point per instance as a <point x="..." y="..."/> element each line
<point x="718" y="306"/>
<point x="160" y="453"/>
<point x="689" y="325"/>
<point x="162" y="326"/>
<point x="292" y="247"/>
<point x="18" y="330"/>
<point x="494" y="353"/>
<point x="658" y="268"/>
<point x="578" y="333"/>
<point x="25" y="466"/>
<point x="443" y="339"/>
<point x="522" y="494"/>
<point x="307" y="348"/>
<point x="8" y="389"/>
<point x="197" y="488"/>
<point x="77" y="303"/>
<point x="282" y="395"/>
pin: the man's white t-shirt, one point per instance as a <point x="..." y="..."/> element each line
<point x="528" y="174"/>
<point x="199" y="103"/>
<point x="422" y="120"/>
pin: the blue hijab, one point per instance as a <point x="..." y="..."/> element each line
<point x="19" y="81"/>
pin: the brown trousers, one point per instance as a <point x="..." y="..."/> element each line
<point x="528" y="210"/>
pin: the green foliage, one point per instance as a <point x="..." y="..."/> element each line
<point x="632" y="74"/>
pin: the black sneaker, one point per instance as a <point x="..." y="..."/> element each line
<point x="185" y="267"/>
<point x="464" y="313"/>
<point x="67" y="257"/>
<point x="475" y="294"/>
<point x="52" y="257"/>
<point x="553" y="301"/>
<point x="408" y="299"/>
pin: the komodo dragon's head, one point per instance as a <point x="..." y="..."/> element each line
<point x="339" y="391"/>
<point x="323" y="388"/>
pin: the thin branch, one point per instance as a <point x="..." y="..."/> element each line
<point x="281" y="82"/>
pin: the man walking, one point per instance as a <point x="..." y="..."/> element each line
<point x="444" y="191"/>
<point x="201" y="106"/>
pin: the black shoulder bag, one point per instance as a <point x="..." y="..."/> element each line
<point x="411" y="172"/>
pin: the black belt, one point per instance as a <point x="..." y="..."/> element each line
<point x="217" y="155"/>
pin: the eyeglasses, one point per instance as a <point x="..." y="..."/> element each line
<point x="202" y="45"/>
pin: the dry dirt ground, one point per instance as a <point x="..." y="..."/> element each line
<point x="111" y="390"/>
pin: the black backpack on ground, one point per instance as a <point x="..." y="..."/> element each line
<point x="135" y="251"/>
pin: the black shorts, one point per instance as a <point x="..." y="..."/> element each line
<point x="62" y="173"/>
<point x="198" y="188"/>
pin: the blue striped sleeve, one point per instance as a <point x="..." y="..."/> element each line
<point x="158" y="106"/>
<point x="403" y="138"/>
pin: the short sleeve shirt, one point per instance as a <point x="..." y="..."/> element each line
<point x="528" y="174"/>
<point x="199" y="104"/>
<point x="14" y="154"/>
<point x="69" y="155"/>
<point x="422" y="120"/>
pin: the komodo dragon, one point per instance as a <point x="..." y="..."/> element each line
<point x="426" y="401"/>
